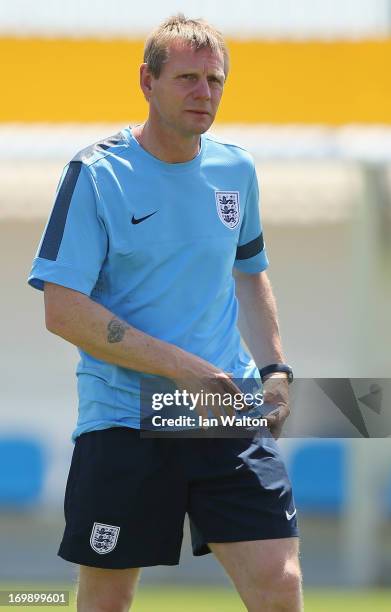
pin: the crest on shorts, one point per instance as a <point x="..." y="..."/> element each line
<point x="104" y="538"/>
<point x="228" y="207"/>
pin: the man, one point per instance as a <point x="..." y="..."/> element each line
<point x="136" y="265"/>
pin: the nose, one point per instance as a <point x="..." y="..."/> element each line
<point x="202" y="90"/>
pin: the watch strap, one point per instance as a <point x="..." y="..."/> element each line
<point x="276" y="367"/>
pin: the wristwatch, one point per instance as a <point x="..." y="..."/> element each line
<point x="276" y="367"/>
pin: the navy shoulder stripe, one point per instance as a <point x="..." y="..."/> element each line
<point x="99" y="147"/>
<point x="55" y="229"/>
<point x="111" y="141"/>
<point x="250" y="249"/>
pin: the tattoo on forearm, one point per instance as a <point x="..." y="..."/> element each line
<point x="116" y="330"/>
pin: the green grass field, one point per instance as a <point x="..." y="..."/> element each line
<point x="168" y="599"/>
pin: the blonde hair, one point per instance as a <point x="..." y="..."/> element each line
<point x="197" y="33"/>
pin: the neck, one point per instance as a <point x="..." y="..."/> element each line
<point x="166" y="144"/>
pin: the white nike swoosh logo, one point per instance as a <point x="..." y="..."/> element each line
<point x="290" y="516"/>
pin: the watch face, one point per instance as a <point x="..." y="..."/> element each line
<point x="289" y="372"/>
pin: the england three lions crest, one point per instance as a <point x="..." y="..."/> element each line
<point x="228" y="207"/>
<point x="104" y="538"/>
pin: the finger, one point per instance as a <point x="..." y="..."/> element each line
<point x="228" y="410"/>
<point x="215" y="404"/>
<point x="224" y="388"/>
<point x="273" y="413"/>
<point x="271" y="422"/>
<point x="203" y="413"/>
<point x="229" y="387"/>
<point x="275" y="424"/>
<point x="217" y="410"/>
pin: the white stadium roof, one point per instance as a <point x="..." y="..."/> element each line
<point x="307" y="175"/>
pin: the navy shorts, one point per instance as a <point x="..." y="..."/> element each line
<point x="127" y="496"/>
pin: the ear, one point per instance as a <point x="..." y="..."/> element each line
<point x="145" y="81"/>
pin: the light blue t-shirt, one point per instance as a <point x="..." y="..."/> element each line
<point x="155" y="243"/>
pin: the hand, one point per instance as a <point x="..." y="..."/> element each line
<point x="276" y="393"/>
<point x="196" y="375"/>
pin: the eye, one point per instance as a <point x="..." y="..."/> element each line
<point x="188" y="77"/>
<point x="216" y="80"/>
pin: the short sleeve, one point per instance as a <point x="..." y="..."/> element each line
<point x="74" y="243"/>
<point x="251" y="255"/>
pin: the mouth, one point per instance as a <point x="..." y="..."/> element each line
<point x="197" y="112"/>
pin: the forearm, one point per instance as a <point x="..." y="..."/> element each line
<point x="258" y="320"/>
<point x="97" y="331"/>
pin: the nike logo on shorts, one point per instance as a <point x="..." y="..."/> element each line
<point x="290" y="516"/>
<point x="135" y="221"/>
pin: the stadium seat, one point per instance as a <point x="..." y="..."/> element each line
<point x="317" y="470"/>
<point x="22" y="469"/>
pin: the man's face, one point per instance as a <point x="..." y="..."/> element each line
<point x="187" y="93"/>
